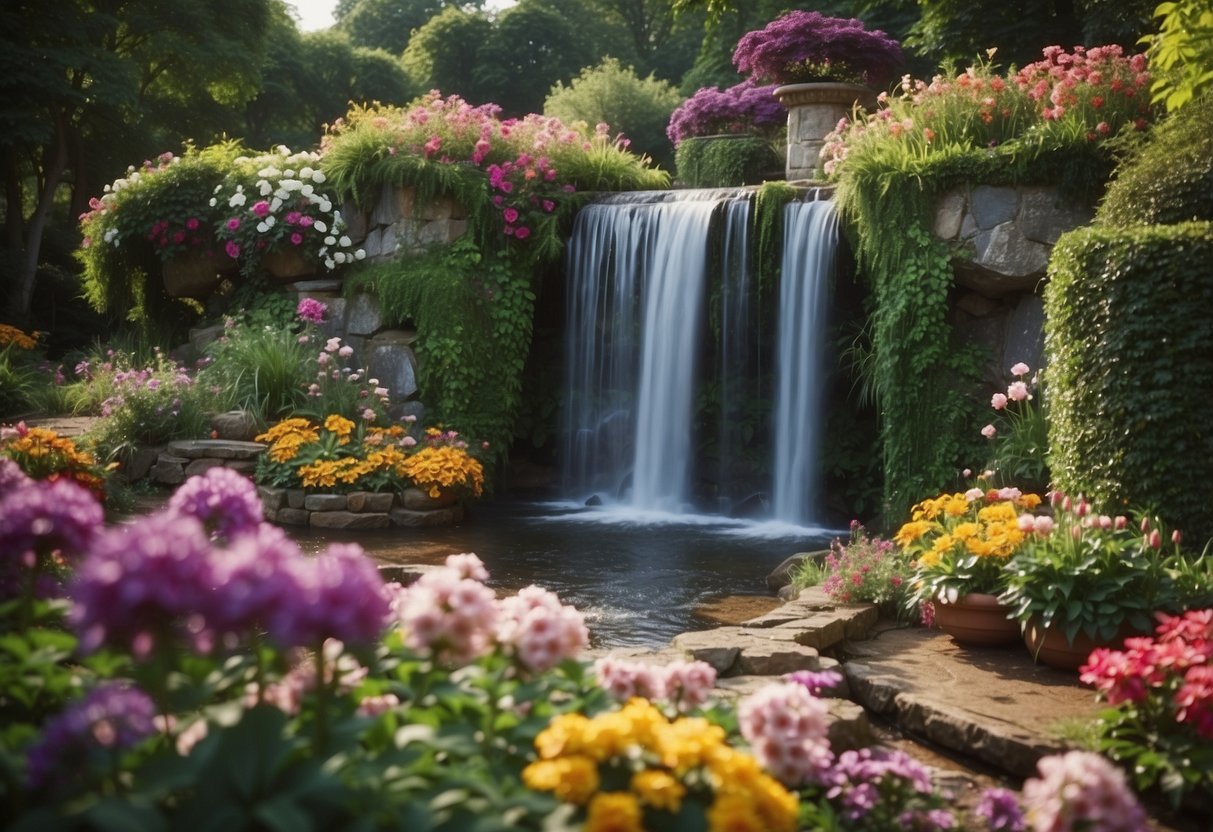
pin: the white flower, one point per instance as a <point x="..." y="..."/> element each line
<point x="275" y="204"/>
<point x="330" y="265"/>
<point x="268" y="172"/>
<point x="238" y="199"/>
<point x="320" y="227"/>
<point x="345" y="241"/>
<point x="213" y="202"/>
<point x="265" y="188"/>
<point x="359" y="254"/>
<point x="330" y="240"/>
<point x="288" y="174"/>
<point x="262" y="227"/>
<point x="307" y="190"/>
<point x="306" y="173"/>
<point x="218" y="188"/>
<point x="318" y="177"/>
<point x="326" y="206"/>
<point x="289" y="185"/>
<point x="339" y="257"/>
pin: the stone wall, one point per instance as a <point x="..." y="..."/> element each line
<point x="1001" y="239"/>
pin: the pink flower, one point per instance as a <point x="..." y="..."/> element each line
<point x="261" y="208"/>
<point x="293" y="217"/>
<point x="510" y="215"/>
<point x="233" y="223"/>
<point x="1018" y="391"/>
<point x="541" y="631"/>
<point x="522" y="232"/>
<point x="1043" y="525"/>
<point x="998" y="401"/>
<point x="296" y="239"/>
<point x="1081" y="790"/>
<point x="192" y="223"/>
<point x="786" y="728"/>
<point x="989" y="431"/>
<point x="233" y="250"/>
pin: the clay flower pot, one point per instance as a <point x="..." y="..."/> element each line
<point x="1049" y="647"/>
<point x="288" y="265"/>
<point x="977" y="620"/>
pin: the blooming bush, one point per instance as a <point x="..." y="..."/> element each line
<point x="42" y="454"/>
<point x="1160" y="689"/>
<point x="276" y="202"/>
<point x="745" y="107"/>
<point x="808" y="46"/>
<point x="866" y="569"/>
<point x="443" y="462"/>
<point x="960" y="543"/>
<point x="1021" y="444"/>
<point x="1082" y="571"/>
<point x="1067" y="99"/>
<point x="336" y="455"/>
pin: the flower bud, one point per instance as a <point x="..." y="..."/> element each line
<point x="1176" y="537"/>
<point x="1120" y="523"/>
<point x="1105" y="522"/>
<point x="1076" y="532"/>
<point x="1155" y="539"/>
<point x="1145" y="525"/>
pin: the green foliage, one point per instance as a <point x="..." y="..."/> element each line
<point x="1131" y="354"/>
<point x="722" y="161"/>
<point x="473" y="312"/>
<point x="259" y="368"/>
<point x="442" y="54"/>
<point x="613" y="94"/>
<point x="1169" y="178"/>
<point x="1181" y="53"/>
<point x="531" y="49"/>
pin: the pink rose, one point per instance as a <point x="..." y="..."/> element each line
<point x="261" y="208"/>
<point x="233" y="224"/>
<point x="1020" y="369"/>
<point x="1018" y="391"/>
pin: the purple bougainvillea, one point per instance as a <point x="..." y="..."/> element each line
<point x="741" y="108"/>
<point x="808" y="46"/>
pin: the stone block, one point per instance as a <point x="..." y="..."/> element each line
<point x="356" y="221"/>
<point x="373" y="243"/>
<point x="406" y="201"/>
<point x="235" y="425"/>
<point x="391" y="360"/>
<point x="820" y="631"/>
<point x="975" y="304"/>
<point x="716" y="647"/>
<point x="241" y="466"/>
<point x="387" y="209"/>
<point x="992" y="206"/>
<point x="426" y="519"/>
<point x="201" y="466"/>
<point x="322" y="290"/>
<point x="848" y="726"/>
<point x="438" y="208"/>
<point x="348" y="520"/>
<point x="764" y="656"/>
<point x="216" y="449"/>
<point x="1024" y="335"/>
<point x="362" y="316"/>
<point x="1044" y="215"/>
<point x="295" y="497"/>
<point x="949" y="214"/>
<point x="389" y="241"/>
<point x="456" y="229"/>
<point x="202" y="337"/>
<point x="324" y="502"/>
<point x="139" y="464"/>
<point x="167" y="473"/>
<point x="272" y="498"/>
<point x="361" y="501"/>
<point x="293" y="516"/>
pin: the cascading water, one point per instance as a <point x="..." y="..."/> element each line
<point x="638" y="291"/>
<point x="810" y="245"/>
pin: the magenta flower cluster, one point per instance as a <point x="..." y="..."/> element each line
<point x="452" y="615"/>
<point x="311" y="311"/>
<point x="808" y="46"/>
<point x="221" y="500"/>
<point x="109" y="718"/>
<point x="161" y="581"/>
<point x="742" y="108"/>
<point x="523" y="187"/>
<point x="41" y="522"/>
<point x="684" y="685"/>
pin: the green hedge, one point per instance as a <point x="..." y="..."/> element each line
<point x="727" y="161"/>
<point x="1130" y="341"/>
<point x="1170" y="178"/>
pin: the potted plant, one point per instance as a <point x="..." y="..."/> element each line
<point x="157" y="219"/>
<point x="276" y="215"/>
<point x="1086" y="580"/>
<point x="960" y="544"/>
<point x="727" y="137"/>
<point x="824" y="67"/>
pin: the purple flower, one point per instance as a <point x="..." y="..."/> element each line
<point x="738" y="109"/>
<point x="109" y="718"/>
<point x="11" y="476"/>
<point x="999" y="808"/>
<point x="340" y="595"/>
<point x="816" y="680"/>
<point x="144" y="582"/>
<point x="1080" y="790"/>
<point x="224" y="501"/>
<point x="255" y="578"/>
<point x="809" y="46"/>
<point x="39" y="519"/>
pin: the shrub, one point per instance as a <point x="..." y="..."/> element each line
<point x="639" y="108"/>
<point x="1131" y="356"/>
<point x="1168" y="179"/>
<point x="807" y="46"/>
<point x="728" y="161"/>
<point x="743" y="108"/>
<point x="865" y="569"/>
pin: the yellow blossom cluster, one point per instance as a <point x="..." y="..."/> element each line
<point x="45" y="454"/>
<point x="287" y="437"/>
<point x="17" y="338"/>
<point x="664" y="763"/>
<point x="981" y="524"/>
<point x="436" y="468"/>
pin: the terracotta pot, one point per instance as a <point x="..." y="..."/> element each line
<point x="287" y="265"/>
<point x="418" y="499"/>
<point x="977" y="620"/>
<point x="813" y="112"/>
<point x="192" y="275"/>
<point x="1049" y="647"/>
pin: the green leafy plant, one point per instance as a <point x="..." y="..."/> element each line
<point x="1182" y="52"/>
<point x="261" y="369"/>
<point x="717" y="162"/>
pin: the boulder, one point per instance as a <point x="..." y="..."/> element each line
<point x="361" y="501"/>
<point x="362" y="315"/>
<point x="781" y="575"/>
<point x="235" y="425"/>
<point x="216" y="449"/>
<point x="324" y="502"/>
<point x="197" y="467"/>
<point x="390" y="359"/>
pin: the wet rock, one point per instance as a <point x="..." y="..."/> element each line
<point x="348" y="520"/>
<point x="594" y="501"/>
<point x="424" y="519"/>
<point x="781" y="575"/>
<point x="216" y="449"/>
<point x="198" y="467"/>
<point x="293" y="516"/>
<point x="324" y="502"/>
<point x="361" y="501"/>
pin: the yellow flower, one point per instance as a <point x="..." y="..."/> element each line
<point x="14" y="336"/>
<point x="998" y="512"/>
<point x="911" y="531"/>
<point x="614" y="812"/>
<point x="443" y="467"/>
<point x="285" y="427"/>
<point x="688" y="743"/>
<point x="572" y="779"/>
<point x="965" y="531"/>
<point x="956" y="505"/>
<point x="658" y="789"/>
<point x="564" y="735"/>
<point x="1028" y="501"/>
<point x="734" y="813"/>
<point x="338" y="425"/>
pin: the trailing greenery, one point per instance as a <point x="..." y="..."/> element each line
<point x="1132" y="356"/>
<point x="473" y="312"/>
<point x="1169" y="179"/>
<point x="724" y="161"/>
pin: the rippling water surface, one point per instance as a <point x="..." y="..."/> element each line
<point x="637" y="577"/>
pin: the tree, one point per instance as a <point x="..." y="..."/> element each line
<point x="659" y="41"/>
<point x="609" y="93"/>
<point x="1182" y="52"/>
<point x="531" y="48"/>
<point x="443" y="54"/>
<point x="74" y="73"/>
<point x="388" y="24"/>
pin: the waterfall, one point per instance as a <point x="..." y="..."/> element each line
<point x="810" y="242"/>
<point x="738" y="335"/>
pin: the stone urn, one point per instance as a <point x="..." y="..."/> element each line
<point x="977" y="620"/>
<point x="814" y="110"/>
<point x="288" y="265"/>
